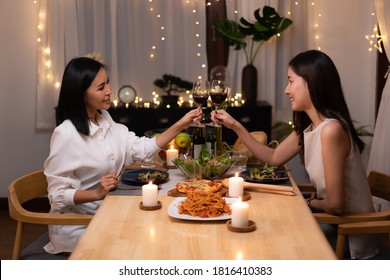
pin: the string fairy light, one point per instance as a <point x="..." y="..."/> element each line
<point x="199" y="36"/>
<point x="44" y="50"/>
<point x="164" y="37"/>
<point x="45" y="53"/>
<point x="316" y="26"/>
<point x="317" y="17"/>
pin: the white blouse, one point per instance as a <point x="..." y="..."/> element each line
<point x="77" y="162"/>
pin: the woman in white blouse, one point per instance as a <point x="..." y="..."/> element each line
<point x="88" y="149"/>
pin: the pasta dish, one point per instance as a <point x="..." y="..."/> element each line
<point x="204" y="205"/>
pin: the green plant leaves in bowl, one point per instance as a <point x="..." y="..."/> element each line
<point x="211" y="169"/>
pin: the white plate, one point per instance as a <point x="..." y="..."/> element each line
<point x="173" y="211"/>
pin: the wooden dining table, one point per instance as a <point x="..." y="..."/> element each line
<point x="285" y="230"/>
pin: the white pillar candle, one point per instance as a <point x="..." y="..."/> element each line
<point x="149" y="194"/>
<point x="240" y="214"/>
<point x="236" y="186"/>
<point x="171" y="154"/>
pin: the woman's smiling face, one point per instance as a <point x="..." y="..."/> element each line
<point x="298" y="92"/>
<point x="98" y="94"/>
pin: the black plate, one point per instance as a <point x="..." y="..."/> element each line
<point x="131" y="177"/>
<point x="281" y="176"/>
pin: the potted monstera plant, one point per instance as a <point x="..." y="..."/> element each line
<point x="250" y="36"/>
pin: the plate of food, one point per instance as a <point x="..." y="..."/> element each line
<point x="191" y="185"/>
<point x="144" y="176"/>
<point x="198" y="185"/>
<point x="201" y="206"/>
<point x="265" y="175"/>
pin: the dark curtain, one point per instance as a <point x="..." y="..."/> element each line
<point x="217" y="49"/>
<point x="382" y="68"/>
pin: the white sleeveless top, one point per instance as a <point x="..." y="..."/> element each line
<point x="358" y="198"/>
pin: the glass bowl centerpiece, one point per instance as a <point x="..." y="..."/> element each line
<point x="205" y="166"/>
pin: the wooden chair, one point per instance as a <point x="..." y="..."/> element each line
<point x="26" y="188"/>
<point x="380" y="187"/>
<point x="307" y="190"/>
<point x="344" y="230"/>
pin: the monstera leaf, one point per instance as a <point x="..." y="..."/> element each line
<point x="230" y="31"/>
<point x="267" y="25"/>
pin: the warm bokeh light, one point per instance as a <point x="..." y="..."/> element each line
<point x="164" y="36"/>
<point x="152" y="233"/>
<point x="239" y="255"/>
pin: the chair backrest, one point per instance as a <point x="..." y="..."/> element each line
<point x="379" y="184"/>
<point x="34" y="185"/>
<point x="26" y="188"/>
<point x="380" y="187"/>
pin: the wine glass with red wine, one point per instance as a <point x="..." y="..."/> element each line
<point x="200" y="94"/>
<point x="218" y="94"/>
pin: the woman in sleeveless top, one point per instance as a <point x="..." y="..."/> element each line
<point x="324" y="130"/>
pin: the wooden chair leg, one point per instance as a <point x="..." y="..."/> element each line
<point x="340" y="245"/>
<point x="18" y="241"/>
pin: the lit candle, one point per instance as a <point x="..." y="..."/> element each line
<point x="236" y="186"/>
<point x="149" y="194"/>
<point x="240" y="214"/>
<point x="171" y="154"/>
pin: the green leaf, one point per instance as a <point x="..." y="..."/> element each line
<point x="259" y="27"/>
<point x="204" y="155"/>
<point x="267" y="25"/>
<point x="284" y="24"/>
<point x="245" y="22"/>
<point x="230" y="32"/>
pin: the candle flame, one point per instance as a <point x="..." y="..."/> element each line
<point x="150" y="182"/>
<point x="239" y="199"/>
<point x="171" y="147"/>
<point x="236" y="174"/>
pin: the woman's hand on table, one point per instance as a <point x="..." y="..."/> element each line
<point x="106" y="184"/>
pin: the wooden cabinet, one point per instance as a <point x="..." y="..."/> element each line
<point x="254" y="117"/>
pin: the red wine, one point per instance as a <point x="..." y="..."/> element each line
<point x="200" y="99"/>
<point x="219" y="97"/>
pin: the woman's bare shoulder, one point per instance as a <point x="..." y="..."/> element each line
<point x="334" y="134"/>
<point x="333" y="129"/>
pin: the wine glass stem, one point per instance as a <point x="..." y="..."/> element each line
<point x="199" y="122"/>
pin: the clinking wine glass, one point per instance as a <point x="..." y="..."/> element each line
<point x="200" y="94"/>
<point x="218" y="94"/>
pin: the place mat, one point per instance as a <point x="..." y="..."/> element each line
<point x="175" y="193"/>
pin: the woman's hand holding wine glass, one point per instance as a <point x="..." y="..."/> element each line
<point x="200" y="94"/>
<point x="218" y="93"/>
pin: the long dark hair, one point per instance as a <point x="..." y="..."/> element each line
<point x="78" y="76"/>
<point x="326" y="93"/>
